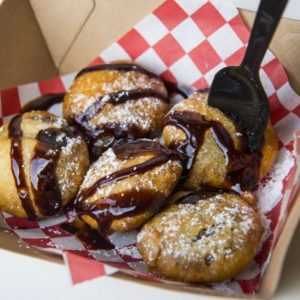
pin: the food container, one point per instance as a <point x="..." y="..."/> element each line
<point x="50" y="48"/>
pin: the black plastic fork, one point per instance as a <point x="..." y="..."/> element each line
<point x="237" y="91"/>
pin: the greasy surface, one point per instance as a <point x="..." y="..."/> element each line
<point x="209" y="166"/>
<point x="71" y="166"/>
<point x="161" y="179"/>
<point x="210" y="240"/>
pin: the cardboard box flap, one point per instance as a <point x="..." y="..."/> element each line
<point x="24" y="56"/>
<point x="129" y="12"/>
<point x="75" y="46"/>
<point x="108" y="22"/>
<point x="70" y="16"/>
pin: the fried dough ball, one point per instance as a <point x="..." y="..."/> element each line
<point x="127" y="185"/>
<point x="115" y="101"/>
<point x="204" y="238"/>
<point x="43" y="162"/>
<point x="210" y="166"/>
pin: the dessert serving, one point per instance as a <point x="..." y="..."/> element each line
<point x="190" y="192"/>
<point x="136" y="183"/>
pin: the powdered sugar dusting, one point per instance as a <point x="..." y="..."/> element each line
<point x="128" y="81"/>
<point x="83" y="98"/>
<point x="142" y="115"/>
<point x="69" y="156"/>
<point x="72" y="164"/>
<point x="208" y="230"/>
<point x="59" y="122"/>
<point x="109" y="163"/>
<point x="138" y="113"/>
<point x="106" y="164"/>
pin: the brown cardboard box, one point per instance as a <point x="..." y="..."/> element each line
<point x="41" y="39"/>
<point x="59" y="36"/>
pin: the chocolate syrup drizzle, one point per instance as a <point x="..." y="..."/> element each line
<point x="44" y="184"/>
<point x="116" y="98"/>
<point x="43" y="102"/>
<point x="118" y="67"/>
<point x="43" y="179"/>
<point x="114" y="131"/>
<point x="132" y="202"/>
<point x="172" y="87"/>
<point x="242" y="166"/>
<point x="17" y="165"/>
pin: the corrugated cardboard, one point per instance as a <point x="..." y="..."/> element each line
<point x="41" y="39"/>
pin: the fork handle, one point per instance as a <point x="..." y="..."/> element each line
<point x="266" y="21"/>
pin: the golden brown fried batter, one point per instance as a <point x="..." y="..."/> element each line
<point x="202" y="238"/>
<point x="210" y="167"/>
<point x="138" y="116"/>
<point x="40" y="178"/>
<point x="120" y="191"/>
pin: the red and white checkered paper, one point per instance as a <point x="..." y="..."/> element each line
<point x="186" y="41"/>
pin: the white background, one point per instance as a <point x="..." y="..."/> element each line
<point x="22" y="277"/>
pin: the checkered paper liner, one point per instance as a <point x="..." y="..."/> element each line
<point x="185" y="41"/>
